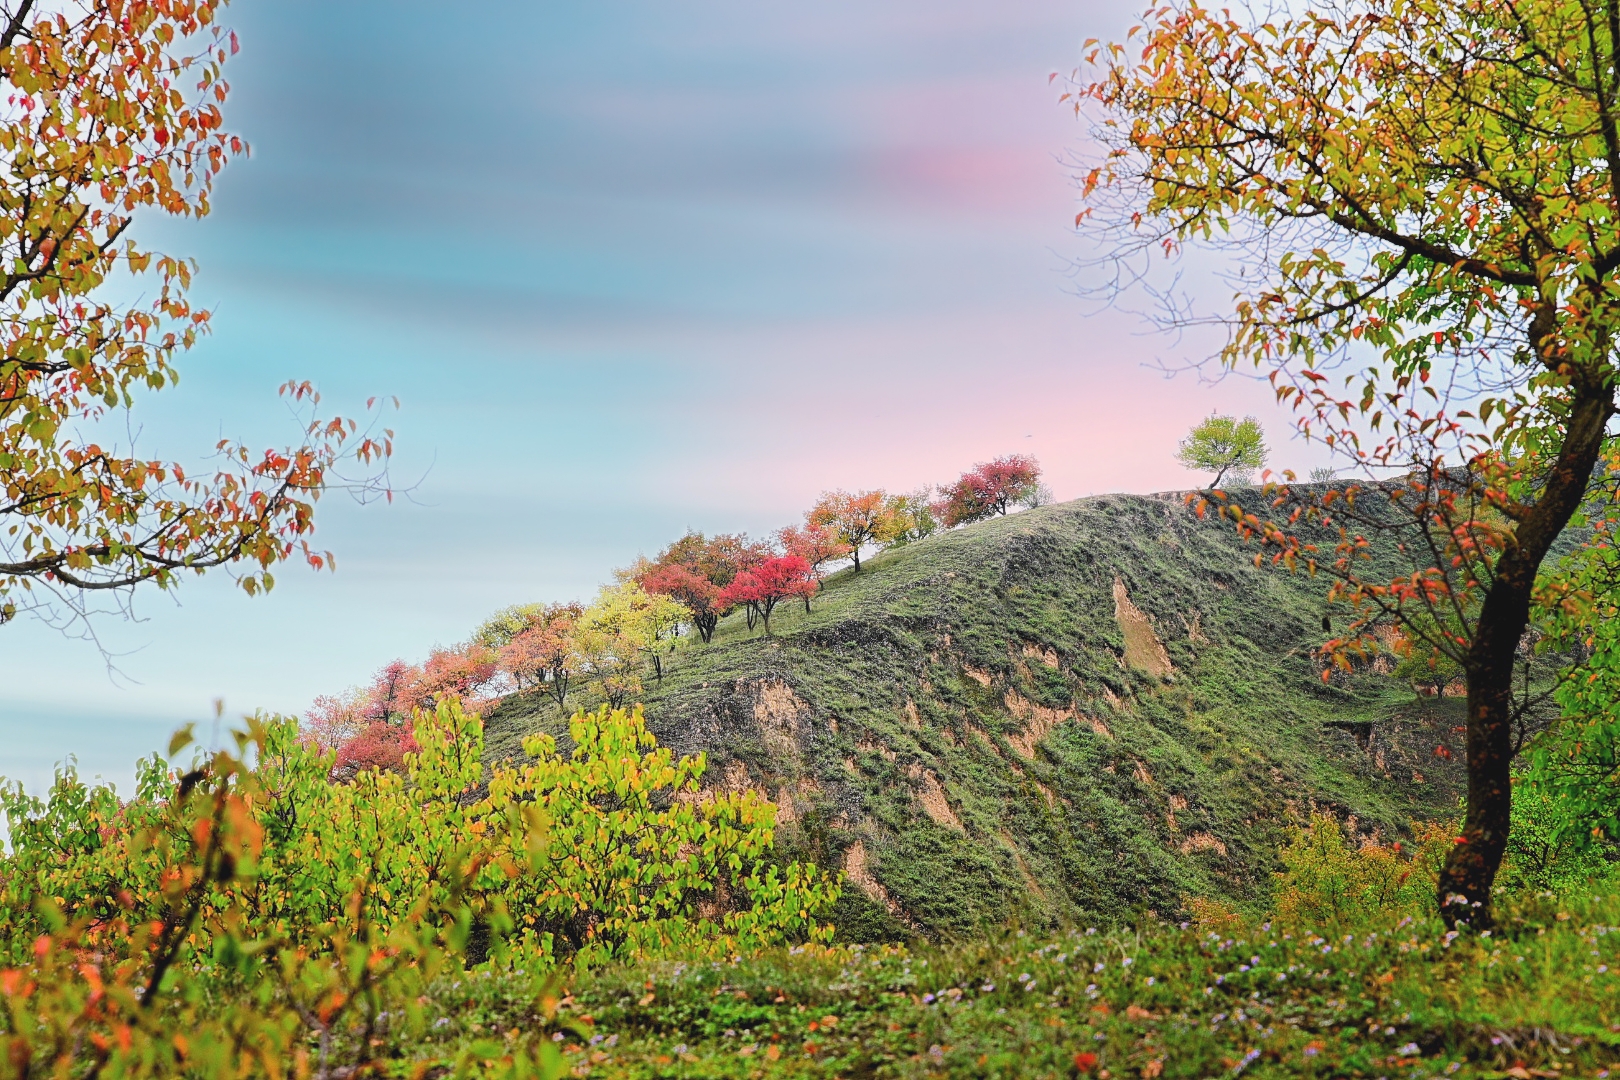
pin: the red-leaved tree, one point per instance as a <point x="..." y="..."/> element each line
<point x="371" y="726"/>
<point x="768" y="584"/>
<point x="694" y="570"/>
<point x="815" y="544"/>
<point x="989" y="488"/>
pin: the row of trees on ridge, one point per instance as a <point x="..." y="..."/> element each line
<point x="653" y="609"/>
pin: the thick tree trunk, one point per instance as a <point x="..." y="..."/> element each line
<point x="705" y="623"/>
<point x="1470" y="870"/>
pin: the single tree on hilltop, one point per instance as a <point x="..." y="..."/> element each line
<point x="1424" y="200"/>
<point x="1222" y="445"/>
<point x="988" y="489"/>
<point x="866" y="517"/>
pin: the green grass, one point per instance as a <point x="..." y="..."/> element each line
<point x="1384" y="997"/>
<point x="856" y="715"/>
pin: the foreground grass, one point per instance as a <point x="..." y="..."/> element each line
<point x="1540" y="998"/>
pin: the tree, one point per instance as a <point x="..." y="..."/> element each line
<point x="1427" y="197"/>
<point x="769" y="583"/>
<point x="623" y="626"/>
<point x="989" y="488"/>
<point x="914" y="518"/>
<point x="815" y="544"/>
<point x="1036" y="497"/>
<point x="695" y="593"/>
<point x="499" y="629"/>
<point x="693" y="570"/>
<point x="1224" y="444"/>
<point x="647" y="624"/>
<point x="866" y="517"/>
<point x="1423" y="665"/>
<point x="544" y="656"/>
<point x="114" y="111"/>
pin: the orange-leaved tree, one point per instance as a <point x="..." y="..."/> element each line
<point x="1423" y="199"/>
<point x="866" y="517"/>
<point x="112" y="110"/>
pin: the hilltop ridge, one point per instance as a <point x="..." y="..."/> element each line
<point x="1082" y="712"/>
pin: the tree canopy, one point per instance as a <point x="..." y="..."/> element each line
<point x="1224" y="445"/>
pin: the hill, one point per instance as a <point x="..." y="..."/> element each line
<point x="1085" y="712"/>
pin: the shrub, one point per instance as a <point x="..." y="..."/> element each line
<point x="247" y="920"/>
<point x="1329" y="879"/>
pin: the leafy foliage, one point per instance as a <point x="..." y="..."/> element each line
<point x="866" y="517"/>
<point x="114" y="110"/>
<point x="989" y="488"/>
<point x="1425" y="196"/>
<point x="779" y="578"/>
<point x="694" y="569"/>
<point x="1223" y="445"/>
<point x="243" y="920"/>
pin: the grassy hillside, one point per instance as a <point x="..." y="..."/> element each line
<point x="1080" y="713"/>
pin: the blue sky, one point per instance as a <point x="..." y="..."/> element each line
<point x="630" y="267"/>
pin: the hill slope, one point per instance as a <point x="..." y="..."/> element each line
<point x="1076" y="713"/>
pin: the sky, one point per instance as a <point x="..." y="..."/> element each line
<point x="630" y="267"/>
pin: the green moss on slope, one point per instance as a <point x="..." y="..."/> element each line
<point x="1081" y="712"/>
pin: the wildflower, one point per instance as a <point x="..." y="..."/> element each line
<point x="1409" y="1050"/>
<point x="1085" y="1061"/>
<point x="988" y="987"/>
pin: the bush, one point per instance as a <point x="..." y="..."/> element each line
<point x="1329" y="879"/>
<point x="249" y="920"/>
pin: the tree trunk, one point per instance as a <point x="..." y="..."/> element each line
<point x="857" y="548"/>
<point x="1464" y="890"/>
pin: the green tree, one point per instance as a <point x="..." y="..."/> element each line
<point x="1222" y="445"/>
<point x="1422" y="200"/>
